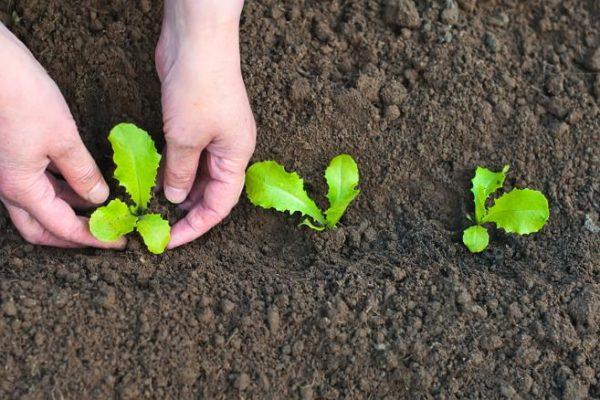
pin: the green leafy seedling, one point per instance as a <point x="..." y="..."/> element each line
<point x="520" y="211"/>
<point x="137" y="163"/>
<point x="269" y="185"/>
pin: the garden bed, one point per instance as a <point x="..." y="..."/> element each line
<point x="390" y="304"/>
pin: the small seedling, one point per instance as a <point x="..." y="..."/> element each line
<point x="137" y="163"/>
<point x="269" y="185"/>
<point x="520" y="211"/>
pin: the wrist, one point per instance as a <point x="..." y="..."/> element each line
<point x="206" y="28"/>
<point x="196" y="15"/>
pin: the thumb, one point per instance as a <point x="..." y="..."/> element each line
<point x="180" y="170"/>
<point x="79" y="169"/>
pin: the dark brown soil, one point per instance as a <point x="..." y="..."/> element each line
<point x="390" y="305"/>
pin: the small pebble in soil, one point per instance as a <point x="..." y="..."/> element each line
<point x="323" y="32"/>
<point x="500" y="20"/>
<point x="242" y="381"/>
<point x="206" y="315"/>
<point x="491" y="42"/>
<point x="393" y="93"/>
<point x="491" y="343"/>
<point x="15" y="262"/>
<point x="559" y="128"/>
<point x="107" y="300"/>
<point x="273" y="319"/>
<point x="369" y="86"/>
<point x="590" y="225"/>
<point x="219" y="340"/>
<point x="227" y="306"/>
<point x="392" y="113"/>
<point x="557" y="109"/>
<point x="467" y="5"/>
<point x="307" y="393"/>
<point x="300" y="90"/>
<point x="39" y="338"/>
<point x="145" y="6"/>
<point x="508" y="391"/>
<point x="555" y="84"/>
<point x="109" y="276"/>
<point x="593" y="60"/>
<point x="9" y="309"/>
<point x="402" y="13"/>
<point x="449" y="14"/>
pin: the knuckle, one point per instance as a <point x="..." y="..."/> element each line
<point x="24" y="191"/>
<point x="67" y="148"/>
<point x="209" y="217"/>
<point x="33" y="234"/>
<point x="183" y="143"/>
<point x="182" y="137"/>
<point x="179" y="176"/>
<point x="87" y="176"/>
<point x="72" y="232"/>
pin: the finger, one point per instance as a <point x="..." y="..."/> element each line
<point x="80" y="170"/>
<point x="180" y="170"/>
<point x="55" y="215"/>
<point x="65" y="192"/>
<point x="32" y="231"/>
<point x="215" y="202"/>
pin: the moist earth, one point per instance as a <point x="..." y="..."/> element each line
<point x="389" y="305"/>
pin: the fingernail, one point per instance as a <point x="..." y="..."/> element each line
<point x="175" y="195"/>
<point x="99" y="193"/>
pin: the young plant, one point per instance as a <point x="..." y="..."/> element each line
<point x="269" y="185"/>
<point x="137" y="162"/>
<point x="520" y="211"/>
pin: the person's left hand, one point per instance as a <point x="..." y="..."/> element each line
<point x="208" y="123"/>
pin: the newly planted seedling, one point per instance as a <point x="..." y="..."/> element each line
<point x="269" y="185"/>
<point x="520" y="211"/>
<point x="137" y="163"/>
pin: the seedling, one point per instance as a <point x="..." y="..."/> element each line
<point x="269" y="185"/>
<point x="137" y="162"/>
<point x="520" y="211"/>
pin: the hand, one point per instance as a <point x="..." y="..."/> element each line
<point x="209" y="127"/>
<point x="38" y="135"/>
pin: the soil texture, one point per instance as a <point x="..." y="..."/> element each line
<point x="390" y="305"/>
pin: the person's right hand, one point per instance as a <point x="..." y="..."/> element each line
<point x="38" y="135"/>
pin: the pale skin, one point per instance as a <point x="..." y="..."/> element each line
<point x="46" y="172"/>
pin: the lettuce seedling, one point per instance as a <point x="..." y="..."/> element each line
<point x="520" y="211"/>
<point x="137" y="163"/>
<point x="269" y="185"/>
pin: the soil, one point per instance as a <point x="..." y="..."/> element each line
<point x="390" y="305"/>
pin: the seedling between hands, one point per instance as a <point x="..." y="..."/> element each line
<point x="520" y="211"/>
<point x="137" y="163"/>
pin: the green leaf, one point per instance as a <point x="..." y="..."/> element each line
<point x="519" y="211"/>
<point x="476" y="238"/>
<point x="485" y="183"/>
<point x="112" y="221"/>
<point x="269" y="185"/>
<point x="342" y="178"/>
<point x="155" y="231"/>
<point x="137" y="162"/>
